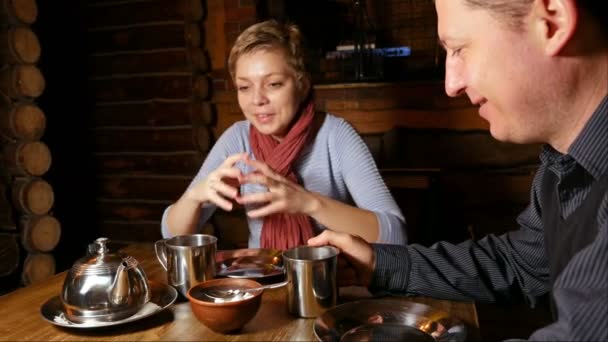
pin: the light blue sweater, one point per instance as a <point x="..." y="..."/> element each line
<point x="337" y="165"/>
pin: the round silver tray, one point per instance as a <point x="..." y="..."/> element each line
<point x="162" y="296"/>
<point x="252" y="263"/>
<point x="387" y="320"/>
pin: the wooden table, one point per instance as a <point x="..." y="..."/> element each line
<point x="20" y="318"/>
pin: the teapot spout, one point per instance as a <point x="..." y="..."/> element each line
<point x="120" y="289"/>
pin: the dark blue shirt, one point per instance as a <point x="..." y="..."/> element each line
<point x="492" y="267"/>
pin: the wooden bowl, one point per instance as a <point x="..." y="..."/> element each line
<point x="229" y="316"/>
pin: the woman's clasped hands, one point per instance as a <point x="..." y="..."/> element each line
<point x="283" y="195"/>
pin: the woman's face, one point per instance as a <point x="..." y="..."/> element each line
<point x="267" y="91"/>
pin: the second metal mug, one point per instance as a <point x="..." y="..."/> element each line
<point x="311" y="276"/>
<point x="188" y="259"/>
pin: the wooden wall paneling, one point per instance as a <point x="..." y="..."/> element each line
<point x="27" y="158"/>
<point x="139" y="88"/>
<point x="203" y="113"/>
<point x="131" y="210"/>
<point x="131" y="231"/>
<point x="379" y="121"/>
<point x="127" y="13"/>
<point x="147" y="37"/>
<point x="156" y="188"/>
<point x="143" y="139"/>
<point x="171" y="60"/>
<point x="153" y="112"/>
<point x="7" y="217"/>
<point x="451" y="149"/>
<point x="149" y="163"/>
<point x="21" y="80"/>
<point x="18" y="12"/>
<point x="9" y="254"/>
<point x="202" y="138"/>
<point x="19" y="45"/>
<point x="22" y="121"/>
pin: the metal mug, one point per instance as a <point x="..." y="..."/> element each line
<point x="311" y="279"/>
<point x="188" y="259"/>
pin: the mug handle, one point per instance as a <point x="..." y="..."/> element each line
<point x="161" y="252"/>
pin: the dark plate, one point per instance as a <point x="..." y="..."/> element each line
<point x="162" y="296"/>
<point x="387" y="320"/>
<point x="252" y="263"/>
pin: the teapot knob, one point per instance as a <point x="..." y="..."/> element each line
<point x="99" y="247"/>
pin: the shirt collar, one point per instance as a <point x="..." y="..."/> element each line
<point x="590" y="148"/>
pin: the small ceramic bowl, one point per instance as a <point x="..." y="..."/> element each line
<point x="229" y="315"/>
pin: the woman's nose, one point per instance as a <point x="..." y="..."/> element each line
<point x="259" y="97"/>
<point x="455" y="82"/>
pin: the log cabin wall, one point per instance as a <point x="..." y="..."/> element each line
<point x="29" y="231"/>
<point x="150" y="111"/>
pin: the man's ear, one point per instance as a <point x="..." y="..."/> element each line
<point x="555" y="23"/>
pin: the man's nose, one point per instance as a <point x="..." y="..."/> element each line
<point x="455" y="82"/>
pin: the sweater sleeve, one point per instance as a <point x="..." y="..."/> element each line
<point x="230" y="142"/>
<point x="366" y="186"/>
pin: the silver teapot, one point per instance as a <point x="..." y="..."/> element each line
<point x="104" y="286"/>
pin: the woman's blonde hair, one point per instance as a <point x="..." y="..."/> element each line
<point x="270" y="35"/>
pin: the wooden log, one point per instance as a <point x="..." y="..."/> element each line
<point x="200" y="87"/>
<point x="7" y="218"/>
<point x="154" y="113"/>
<point x="131" y="210"/>
<point x="450" y="149"/>
<point x="373" y="122"/>
<point x="9" y="254"/>
<point x="139" y="88"/>
<point x="170" y="163"/>
<point x="201" y="136"/>
<point x="33" y="196"/>
<point x="125" y="139"/>
<point x="159" y="188"/>
<point x="139" y="62"/>
<point x="27" y="158"/>
<point x="37" y="267"/>
<point x="161" y="36"/>
<point x="40" y="233"/>
<point x="19" y="81"/>
<point x="138" y="231"/>
<point x="377" y="96"/>
<point x="121" y="13"/>
<point x="19" y="45"/>
<point x="203" y="113"/>
<point x="22" y="121"/>
<point x="15" y="12"/>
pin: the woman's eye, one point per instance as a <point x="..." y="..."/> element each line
<point x="275" y="84"/>
<point x="242" y="88"/>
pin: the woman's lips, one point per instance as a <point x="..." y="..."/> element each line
<point x="263" y="118"/>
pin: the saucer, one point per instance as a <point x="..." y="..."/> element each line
<point x="387" y="320"/>
<point x="251" y="263"/>
<point x="162" y="296"/>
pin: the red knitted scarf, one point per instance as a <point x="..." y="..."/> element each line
<point x="284" y="231"/>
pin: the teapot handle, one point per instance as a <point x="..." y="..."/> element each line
<point x="161" y="252"/>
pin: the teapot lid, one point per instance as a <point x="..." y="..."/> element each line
<point x="100" y="260"/>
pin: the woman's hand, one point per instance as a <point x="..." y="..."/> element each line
<point x="283" y="195"/>
<point x="357" y="259"/>
<point x="221" y="185"/>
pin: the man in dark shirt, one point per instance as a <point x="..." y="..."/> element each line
<point x="538" y="70"/>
